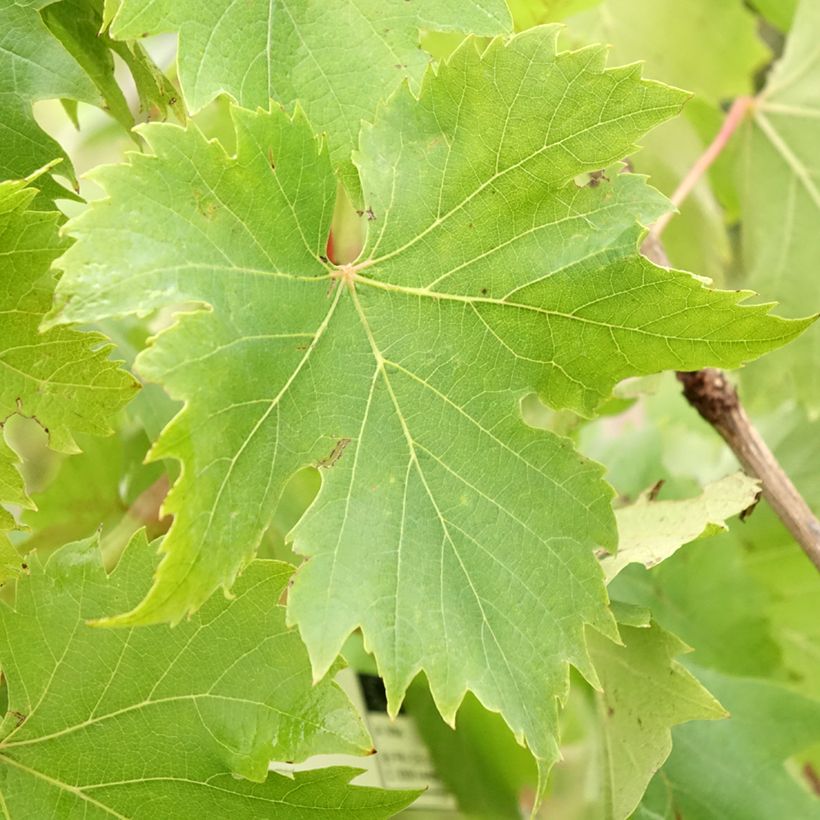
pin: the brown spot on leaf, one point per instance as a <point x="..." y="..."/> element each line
<point x="335" y="454"/>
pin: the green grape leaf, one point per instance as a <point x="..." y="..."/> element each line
<point x="62" y="378"/>
<point x="778" y="171"/>
<point x="735" y="767"/>
<point x="712" y="49"/>
<point x="645" y="692"/>
<point x="460" y="540"/>
<point x="112" y="721"/>
<point x="650" y="531"/>
<point x="338" y="59"/>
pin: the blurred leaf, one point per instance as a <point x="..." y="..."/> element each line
<point x="55" y="50"/>
<point x="793" y="605"/>
<point x="779" y="179"/>
<point x="778" y="12"/>
<point x="76" y="24"/>
<point x="529" y="13"/>
<point x="62" y="378"/>
<point x="479" y="760"/>
<point x="91" y="491"/>
<point x="645" y="693"/>
<point x="688" y="594"/>
<point x="735" y="768"/>
<point x="710" y="48"/>
<point x="696" y="238"/>
<point x="34" y="65"/>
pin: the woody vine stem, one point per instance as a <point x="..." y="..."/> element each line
<point x="711" y="393"/>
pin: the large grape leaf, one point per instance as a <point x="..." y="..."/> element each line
<point x="459" y="539"/>
<point x="645" y="692"/>
<point x="154" y="722"/>
<point x="62" y="378"/>
<point x="735" y="767"/>
<point x="779" y="180"/>
<point x="650" y="531"/>
<point x="338" y="58"/>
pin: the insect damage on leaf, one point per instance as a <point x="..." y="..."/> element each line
<point x="457" y="538"/>
<point x="335" y="454"/>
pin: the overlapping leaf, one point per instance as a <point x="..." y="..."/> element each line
<point x="457" y="538"/>
<point x="78" y="24"/>
<point x="338" y="58"/>
<point x="34" y="65"/>
<point x="645" y="692"/>
<point x="736" y="767"/>
<point x="650" y="531"/>
<point x="779" y="178"/>
<point x="156" y="722"/>
<point x="64" y="379"/>
<point x="53" y="50"/>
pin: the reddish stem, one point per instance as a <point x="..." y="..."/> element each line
<point x="734" y="118"/>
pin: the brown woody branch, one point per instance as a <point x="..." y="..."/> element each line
<point x="713" y="396"/>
